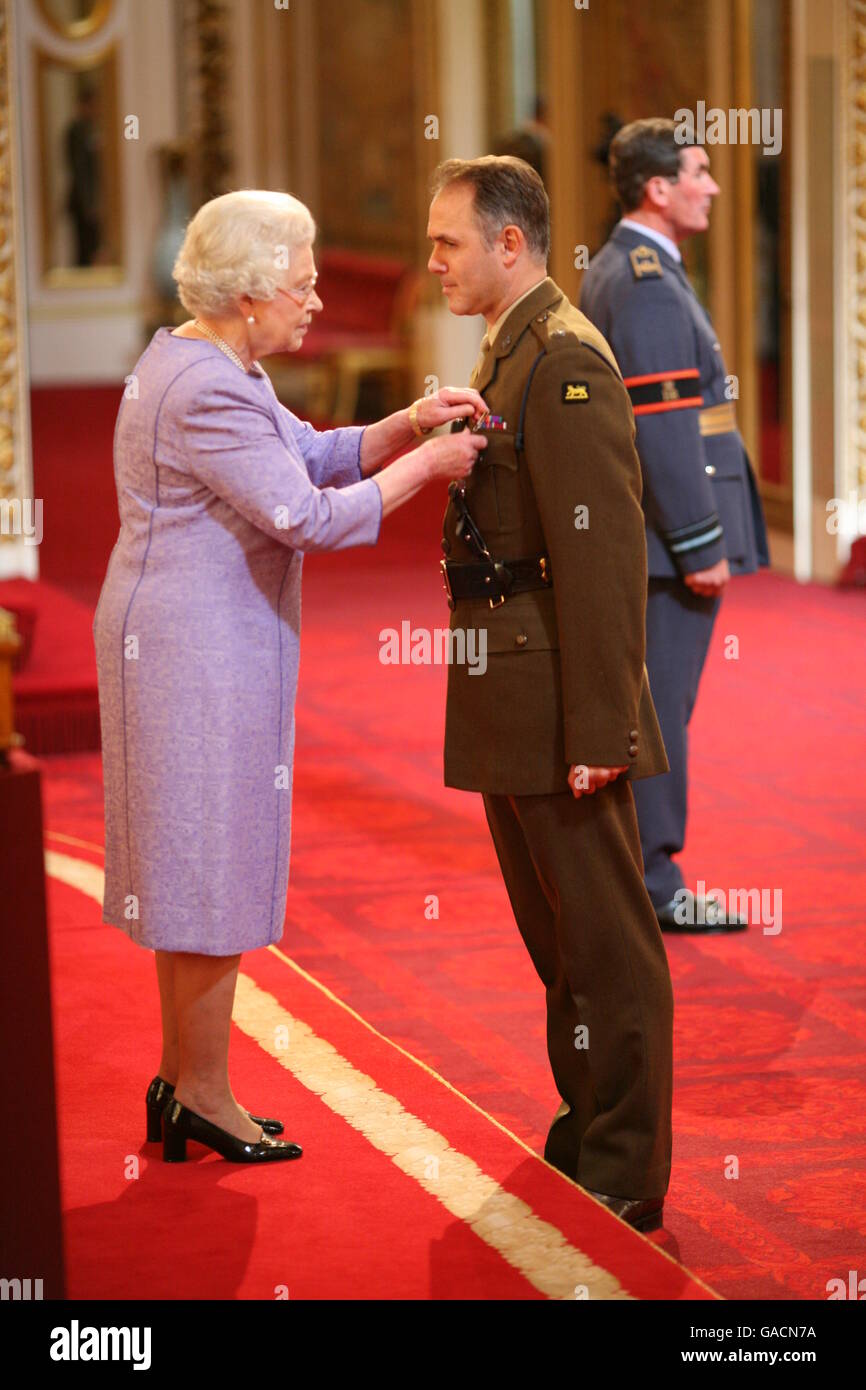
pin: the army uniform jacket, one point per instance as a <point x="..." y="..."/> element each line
<point x="565" y="681"/>
<point x="700" y="497"/>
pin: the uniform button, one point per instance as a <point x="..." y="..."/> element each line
<point x="632" y="752"/>
<point x="506" y="341"/>
<point x="634" y="735"/>
<point x="542" y="318"/>
<point x="521" y="639"/>
<point x="558" y="333"/>
<point x="717" y="347"/>
<point x="710" y="468"/>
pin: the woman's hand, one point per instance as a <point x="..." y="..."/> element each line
<point x="449" y="456"/>
<point x="452" y="455"/>
<point x="449" y="403"/>
<point x="388" y="437"/>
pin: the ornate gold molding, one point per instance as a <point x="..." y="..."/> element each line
<point x="10" y="646"/>
<point x="854" y="454"/>
<point x="206" y="38"/>
<point x="14" y="433"/>
<point x="78" y="28"/>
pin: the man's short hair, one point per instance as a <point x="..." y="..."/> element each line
<point x="639" y="152"/>
<point x="508" y="191"/>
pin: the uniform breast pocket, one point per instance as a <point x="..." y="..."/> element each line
<point x="494" y="493"/>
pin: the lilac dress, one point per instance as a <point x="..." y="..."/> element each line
<point x="220" y="491"/>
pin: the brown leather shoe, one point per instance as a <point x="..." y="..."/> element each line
<point x="644" y="1213"/>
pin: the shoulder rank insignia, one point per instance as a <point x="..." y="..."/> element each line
<point x="645" y="262"/>
<point x="574" y="391"/>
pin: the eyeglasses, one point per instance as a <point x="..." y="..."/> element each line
<point x="301" y="293"/>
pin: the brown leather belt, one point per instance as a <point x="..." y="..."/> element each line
<point x="718" y="419"/>
<point x="495" y="581"/>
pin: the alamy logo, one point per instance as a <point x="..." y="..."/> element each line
<point x="710" y="908"/>
<point x="76" y="1343"/>
<point x="738" y="126"/>
<point x="847" y="516"/>
<point x="23" y="1289"/>
<point x="22" y="517"/>
<point x="856" y="1287"/>
<point x="421" y="647"/>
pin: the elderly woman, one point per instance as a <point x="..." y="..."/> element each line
<point x="221" y="490"/>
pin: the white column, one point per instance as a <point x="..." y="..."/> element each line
<point x="522" y="17"/>
<point x="453" y="342"/>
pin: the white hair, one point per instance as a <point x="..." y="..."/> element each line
<point x="239" y="243"/>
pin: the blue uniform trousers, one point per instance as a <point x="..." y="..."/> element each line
<point x="679" y="625"/>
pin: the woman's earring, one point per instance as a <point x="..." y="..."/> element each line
<point x="251" y="319"/>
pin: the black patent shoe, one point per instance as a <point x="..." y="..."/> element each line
<point x="160" y="1092"/>
<point x="698" y="915"/>
<point x="180" y="1124"/>
<point x="643" y="1213"/>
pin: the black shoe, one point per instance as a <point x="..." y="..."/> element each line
<point x="644" y="1213"/>
<point x="180" y="1124"/>
<point x="160" y="1092"/>
<point x="703" y="916"/>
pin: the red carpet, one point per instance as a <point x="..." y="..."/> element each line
<point x="348" y="1220"/>
<point x="769" y="1027"/>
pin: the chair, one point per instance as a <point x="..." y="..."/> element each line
<point x="363" y="330"/>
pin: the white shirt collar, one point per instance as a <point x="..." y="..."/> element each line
<point x="663" y="241"/>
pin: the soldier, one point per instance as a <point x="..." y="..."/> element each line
<point x="703" y="516"/>
<point x="545" y="550"/>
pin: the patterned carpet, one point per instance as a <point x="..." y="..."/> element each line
<point x="769" y="1185"/>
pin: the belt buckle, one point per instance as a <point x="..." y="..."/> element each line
<point x="446" y="583"/>
<point x="505" y="580"/>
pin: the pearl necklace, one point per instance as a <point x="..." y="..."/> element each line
<point x="220" y="343"/>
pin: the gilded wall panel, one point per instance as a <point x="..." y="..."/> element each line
<point x="371" y="126"/>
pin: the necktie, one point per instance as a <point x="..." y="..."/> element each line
<point x="476" y="370"/>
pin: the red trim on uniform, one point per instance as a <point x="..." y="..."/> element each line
<point x="660" y="376"/>
<point x="667" y="405"/>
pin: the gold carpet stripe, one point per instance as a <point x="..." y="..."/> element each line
<point x="73" y="840"/>
<point x="417" y="1061"/>
<point x="76" y="873"/>
<point x="537" y="1249"/>
<point x="467" y="1100"/>
<point x="530" y="1245"/>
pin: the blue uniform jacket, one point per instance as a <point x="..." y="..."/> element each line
<point x="700" y="498"/>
